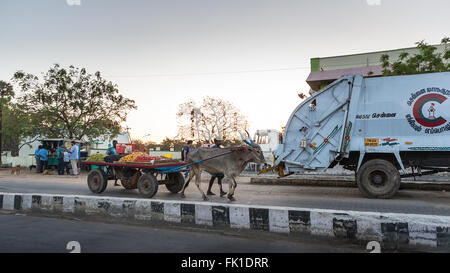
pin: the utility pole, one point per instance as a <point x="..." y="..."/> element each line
<point x="128" y="133"/>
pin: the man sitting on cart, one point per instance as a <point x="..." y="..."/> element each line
<point x="112" y="149"/>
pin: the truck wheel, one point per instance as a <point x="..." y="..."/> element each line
<point x="147" y="185"/>
<point x="97" y="181"/>
<point x="176" y="182"/>
<point x="378" y="178"/>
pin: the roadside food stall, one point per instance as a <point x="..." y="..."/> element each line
<point x="51" y="144"/>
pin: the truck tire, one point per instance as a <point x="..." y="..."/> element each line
<point x="378" y="178"/>
<point x="147" y="185"/>
<point x="176" y="182"/>
<point x="97" y="181"/>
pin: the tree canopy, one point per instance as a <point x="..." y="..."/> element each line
<point x="213" y="118"/>
<point x="17" y="130"/>
<point x="426" y="61"/>
<point x="72" y="103"/>
<point x="6" y="92"/>
<point x="15" y="125"/>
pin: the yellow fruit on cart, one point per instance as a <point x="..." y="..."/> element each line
<point x="131" y="157"/>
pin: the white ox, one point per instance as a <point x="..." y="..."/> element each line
<point x="229" y="161"/>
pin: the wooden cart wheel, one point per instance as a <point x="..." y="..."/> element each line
<point x="147" y="185"/>
<point x="97" y="181"/>
<point x="176" y="182"/>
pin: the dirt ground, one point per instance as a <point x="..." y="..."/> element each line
<point x="26" y="174"/>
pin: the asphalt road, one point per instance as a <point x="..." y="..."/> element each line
<point x="406" y="201"/>
<point x="24" y="234"/>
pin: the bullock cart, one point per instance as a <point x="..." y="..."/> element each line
<point x="146" y="177"/>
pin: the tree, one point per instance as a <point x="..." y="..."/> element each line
<point x="174" y="143"/>
<point x="73" y="104"/>
<point x="213" y="118"/>
<point x="6" y="94"/>
<point x="151" y="145"/>
<point x="426" y="61"/>
<point x="16" y="127"/>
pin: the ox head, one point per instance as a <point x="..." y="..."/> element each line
<point x="255" y="153"/>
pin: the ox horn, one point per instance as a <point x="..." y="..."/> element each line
<point x="250" y="143"/>
<point x="243" y="138"/>
<point x="250" y="138"/>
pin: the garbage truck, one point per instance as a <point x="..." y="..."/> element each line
<point x="382" y="128"/>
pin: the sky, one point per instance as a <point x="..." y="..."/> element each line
<point x="254" y="53"/>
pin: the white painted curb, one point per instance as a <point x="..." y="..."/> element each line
<point x="387" y="228"/>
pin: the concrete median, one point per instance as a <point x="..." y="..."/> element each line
<point x="389" y="229"/>
<point x="346" y="182"/>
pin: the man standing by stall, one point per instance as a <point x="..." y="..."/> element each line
<point x="38" y="159"/>
<point x="60" y="157"/>
<point x="43" y="156"/>
<point x="73" y="156"/>
<point x="79" y="158"/>
<point x="66" y="161"/>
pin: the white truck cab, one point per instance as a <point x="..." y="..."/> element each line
<point x="268" y="140"/>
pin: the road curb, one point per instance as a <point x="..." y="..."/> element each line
<point x="344" y="182"/>
<point x="391" y="230"/>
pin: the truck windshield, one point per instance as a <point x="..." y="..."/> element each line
<point x="262" y="139"/>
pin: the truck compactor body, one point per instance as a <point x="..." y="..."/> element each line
<point x="377" y="127"/>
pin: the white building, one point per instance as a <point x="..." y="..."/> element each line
<point x="101" y="145"/>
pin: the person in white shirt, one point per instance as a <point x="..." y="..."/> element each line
<point x="73" y="156"/>
<point x="66" y="161"/>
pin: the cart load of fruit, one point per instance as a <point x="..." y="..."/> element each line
<point x="147" y="158"/>
<point x="131" y="157"/>
<point x="96" y="158"/>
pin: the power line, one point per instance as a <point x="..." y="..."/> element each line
<point x="205" y="73"/>
<point x="227" y="72"/>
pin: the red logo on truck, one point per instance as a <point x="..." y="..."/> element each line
<point x="429" y="120"/>
<point x="427" y="110"/>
